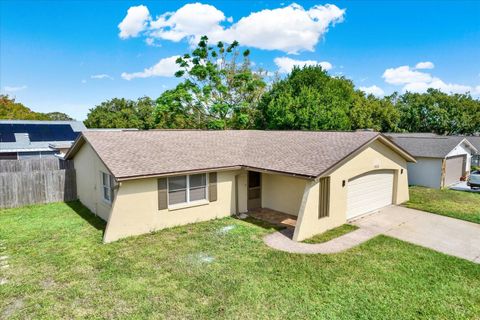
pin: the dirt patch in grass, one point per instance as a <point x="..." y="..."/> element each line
<point x="12" y="307"/>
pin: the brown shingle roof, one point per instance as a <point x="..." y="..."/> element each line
<point x="426" y="144"/>
<point x="143" y="153"/>
<point x="475" y="141"/>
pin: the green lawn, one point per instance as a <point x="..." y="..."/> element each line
<point x="58" y="268"/>
<point x="455" y="204"/>
<point x="332" y="234"/>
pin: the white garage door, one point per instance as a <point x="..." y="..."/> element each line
<point x="369" y="192"/>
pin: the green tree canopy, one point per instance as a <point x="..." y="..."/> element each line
<point x="217" y="91"/>
<point x="12" y="110"/>
<point x="436" y="111"/>
<point x="310" y="99"/>
<point x="374" y="113"/>
<point x="58" y="116"/>
<point x="122" y="113"/>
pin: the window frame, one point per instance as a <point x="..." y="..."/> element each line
<point x="109" y="187"/>
<point x="188" y="201"/>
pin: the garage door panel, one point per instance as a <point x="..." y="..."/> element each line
<point x="454" y="169"/>
<point x="369" y="192"/>
<point x="362" y="189"/>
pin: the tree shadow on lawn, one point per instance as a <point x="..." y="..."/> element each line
<point x="87" y="215"/>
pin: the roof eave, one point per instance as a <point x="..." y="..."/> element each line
<point x="75" y="146"/>
<point x="474" y="149"/>
<point x="407" y="156"/>
<point x="204" y="170"/>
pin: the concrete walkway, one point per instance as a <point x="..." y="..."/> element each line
<point x="282" y="240"/>
<point x="447" y="235"/>
<point x="462" y="186"/>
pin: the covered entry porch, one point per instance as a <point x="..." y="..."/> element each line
<point x="270" y="197"/>
<point x="273" y="217"/>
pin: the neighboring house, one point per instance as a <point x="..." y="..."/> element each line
<point x="25" y="139"/>
<point x="441" y="160"/>
<point x="475" y="140"/>
<point x="149" y="180"/>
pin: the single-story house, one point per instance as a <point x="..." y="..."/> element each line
<point x="142" y="181"/>
<point x="441" y="160"/>
<point x="26" y="139"/>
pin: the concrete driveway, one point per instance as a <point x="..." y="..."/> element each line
<point x="462" y="186"/>
<point x="447" y="235"/>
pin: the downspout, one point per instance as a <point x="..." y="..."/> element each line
<point x="444" y="168"/>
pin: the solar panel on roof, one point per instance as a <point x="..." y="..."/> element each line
<point x="33" y="131"/>
<point x="38" y="132"/>
<point x="6" y="133"/>
<point x="62" y="133"/>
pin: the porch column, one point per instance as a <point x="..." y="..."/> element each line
<point x="308" y="211"/>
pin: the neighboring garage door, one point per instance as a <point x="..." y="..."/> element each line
<point x="369" y="192"/>
<point x="454" y="169"/>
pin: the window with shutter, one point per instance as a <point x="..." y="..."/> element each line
<point x="182" y="189"/>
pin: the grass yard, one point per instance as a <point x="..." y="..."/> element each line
<point x="332" y="234"/>
<point x="59" y="268"/>
<point x="455" y="204"/>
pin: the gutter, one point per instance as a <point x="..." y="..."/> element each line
<point x="204" y="170"/>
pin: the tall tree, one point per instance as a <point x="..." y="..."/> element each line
<point x="12" y="110"/>
<point x="122" y="113"/>
<point x="58" y="116"/>
<point x="436" y="111"/>
<point x="374" y="113"/>
<point x="308" y="99"/>
<point x="173" y="110"/>
<point x="218" y="91"/>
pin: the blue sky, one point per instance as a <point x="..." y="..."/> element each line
<point x="70" y="56"/>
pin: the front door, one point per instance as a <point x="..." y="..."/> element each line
<point x="254" y="190"/>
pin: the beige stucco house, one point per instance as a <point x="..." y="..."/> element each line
<point x="142" y="181"/>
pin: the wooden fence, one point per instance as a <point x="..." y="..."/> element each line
<point x="31" y="181"/>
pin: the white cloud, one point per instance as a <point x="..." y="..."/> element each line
<point x="166" y="67"/>
<point x="286" y="64"/>
<point x="190" y="21"/>
<point x="405" y="74"/>
<point x="425" y="65"/>
<point x="437" y="83"/>
<point x="417" y="81"/>
<point x="134" y="22"/>
<point x="14" y="88"/>
<point x="101" y="76"/>
<point x="376" y="91"/>
<point x="290" y="29"/>
<point x="84" y="81"/>
<point x="151" y="42"/>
